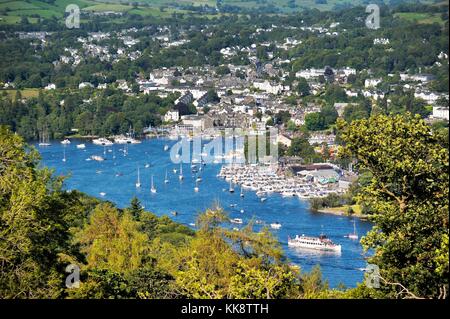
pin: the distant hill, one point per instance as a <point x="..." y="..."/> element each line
<point x="13" y="11"/>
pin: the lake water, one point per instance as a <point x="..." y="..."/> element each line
<point x="116" y="178"/>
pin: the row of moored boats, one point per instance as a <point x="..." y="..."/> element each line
<point x="264" y="180"/>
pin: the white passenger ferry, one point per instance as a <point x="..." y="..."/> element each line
<point x="317" y="243"/>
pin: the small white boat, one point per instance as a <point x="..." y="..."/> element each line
<point x="81" y="146"/>
<point x="236" y="220"/>
<point x="102" y="194"/>
<point x="166" y="147"/>
<point x="64" y="158"/>
<point x="97" y="158"/>
<point x="275" y="225"/>
<point x="121" y="139"/>
<point x="65" y="142"/>
<point x="44" y="144"/>
<point x="263" y="199"/>
<point x="102" y="141"/>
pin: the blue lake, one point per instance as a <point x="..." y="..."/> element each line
<point x="116" y="177"/>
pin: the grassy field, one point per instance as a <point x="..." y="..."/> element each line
<point x="343" y="211"/>
<point x="425" y="18"/>
<point x="11" y="11"/>
<point x="26" y="93"/>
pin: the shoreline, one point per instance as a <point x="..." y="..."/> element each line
<point x="332" y="211"/>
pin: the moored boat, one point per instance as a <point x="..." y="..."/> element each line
<point x="236" y="220"/>
<point x="102" y="141"/>
<point x="275" y="225"/>
<point x="97" y="158"/>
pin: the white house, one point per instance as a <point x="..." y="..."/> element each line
<point x="310" y="73"/>
<point x="83" y="85"/>
<point x="269" y="87"/>
<point x="50" y="86"/>
<point x="283" y="139"/>
<point x="172" y="116"/>
<point x="429" y="97"/>
<point x="371" y="82"/>
<point x="440" y="112"/>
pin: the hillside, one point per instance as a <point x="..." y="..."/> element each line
<point x="11" y="11"/>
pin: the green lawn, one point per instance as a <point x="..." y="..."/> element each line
<point x="425" y="18"/>
<point x="26" y="93"/>
<point x="11" y="11"/>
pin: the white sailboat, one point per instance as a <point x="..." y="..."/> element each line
<point x="153" y="188"/>
<point x="45" y="141"/>
<point x="231" y="189"/>
<point x="196" y="187"/>
<point x="242" y="192"/>
<point x="138" y="183"/>
<point x="64" y="152"/>
<point x="181" y="173"/>
<point x="166" y="179"/>
<point x="353" y="235"/>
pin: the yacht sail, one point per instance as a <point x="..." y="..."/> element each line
<point x="138" y="183"/>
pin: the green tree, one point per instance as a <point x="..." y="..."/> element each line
<point x="315" y="121"/>
<point x="408" y="200"/>
<point x="303" y="87"/>
<point x="113" y="241"/>
<point x="33" y="223"/>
